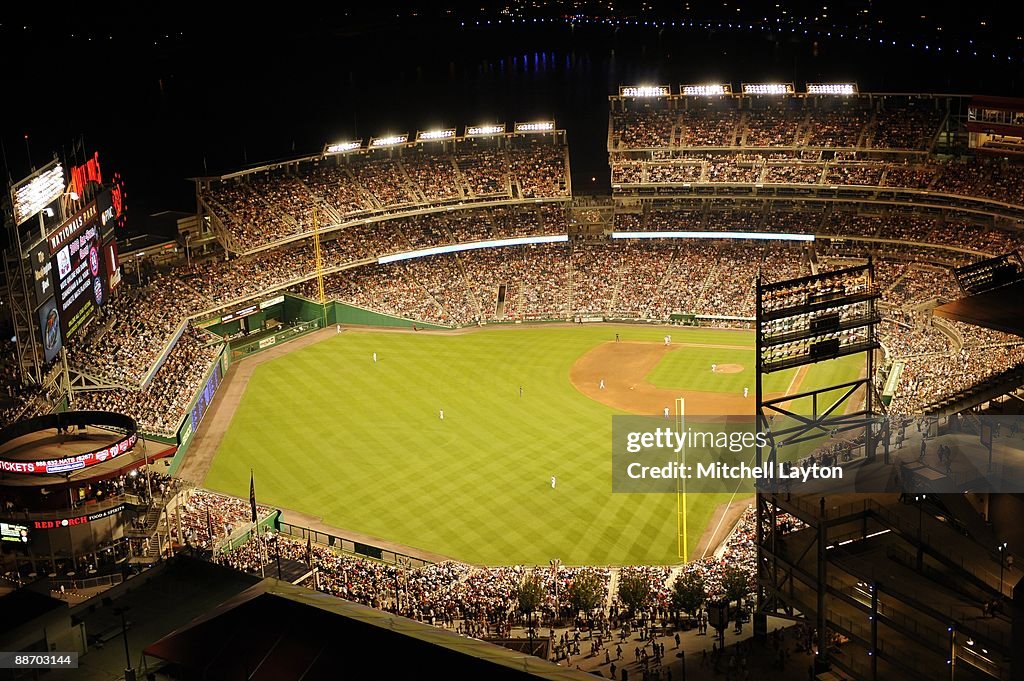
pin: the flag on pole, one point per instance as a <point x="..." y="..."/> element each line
<point x="309" y="550"/>
<point x="252" y="494"/>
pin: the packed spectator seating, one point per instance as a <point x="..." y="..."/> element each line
<point x="771" y="128"/>
<point x="207" y="517"/>
<point x="881" y="142"/>
<point x="927" y="379"/>
<point x="867" y="173"/>
<point x="386" y="183"/>
<point x="132" y="331"/>
<point x="918" y="284"/>
<point x="647" y="129"/>
<point x="649" y="280"/>
<point x="160" y="407"/>
<point x="594" y="279"/>
<point x="709" y="128"/>
<point x="484" y="172"/>
<point x="898" y="123"/>
<point x="475" y="601"/>
<point x="905" y="127"/>
<point x="667" y="173"/>
<point x="262" y="207"/>
<point x="835" y="128"/>
<point x="539" y="171"/>
<point x="911" y="336"/>
<point x="435" y="176"/>
<point x="797" y="172"/>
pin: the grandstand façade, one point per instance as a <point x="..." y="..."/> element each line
<point x="710" y="190"/>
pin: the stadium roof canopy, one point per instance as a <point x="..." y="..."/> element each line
<point x="276" y="630"/>
<point x="1001" y="309"/>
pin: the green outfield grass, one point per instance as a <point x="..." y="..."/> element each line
<point x="331" y="433"/>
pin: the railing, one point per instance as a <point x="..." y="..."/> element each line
<point x="84" y="508"/>
<point x="87" y="583"/>
<point x="352" y="546"/>
<point x="298" y="329"/>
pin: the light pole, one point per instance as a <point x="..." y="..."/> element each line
<point x="277" y="552"/>
<point x="920" y="522"/>
<point x="1002" y="564"/>
<point x="129" y="671"/>
<point x="554" y="562"/>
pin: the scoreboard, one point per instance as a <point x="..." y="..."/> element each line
<point x="78" y="269"/>
<point x="65" y="228"/>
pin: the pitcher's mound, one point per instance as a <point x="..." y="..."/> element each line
<point x="728" y="368"/>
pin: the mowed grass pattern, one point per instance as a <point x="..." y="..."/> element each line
<point x="331" y="433"/>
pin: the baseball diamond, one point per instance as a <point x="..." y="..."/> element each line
<point x="370" y="454"/>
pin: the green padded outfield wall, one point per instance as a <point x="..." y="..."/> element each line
<point x="350" y="314"/>
<point x="296" y="308"/>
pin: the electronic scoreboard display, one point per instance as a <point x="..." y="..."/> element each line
<point x="78" y="269"/>
<point x="14" y="532"/>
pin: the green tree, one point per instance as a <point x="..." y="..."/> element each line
<point x="585" y="592"/>
<point x="530" y="595"/>
<point x="735" y="583"/>
<point x="689" y="591"/>
<point x="634" y="592"/>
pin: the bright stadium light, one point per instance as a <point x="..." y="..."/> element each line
<point x="768" y="88"/>
<point x="831" y="88"/>
<point x="538" y="126"/>
<point x="644" y="91"/>
<point x="341" y="147"/>
<point x="426" y="135"/>
<point x="709" y="90"/>
<point x="483" y="130"/>
<point x="761" y="236"/>
<point x="492" y="243"/>
<point x="389" y="141"/>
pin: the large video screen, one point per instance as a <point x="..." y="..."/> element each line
<point x="78" y="270"/>
<point x="14" y="532"/>
<point x="49" y="326"/>
<point x="206" y="397"/>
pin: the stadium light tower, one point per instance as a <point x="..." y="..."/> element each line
<point x="801" y="322"/>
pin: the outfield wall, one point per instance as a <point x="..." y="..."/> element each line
<point x="350" y="546"/>
<point x="198" y="405"/>
<point x="343" y="313"/>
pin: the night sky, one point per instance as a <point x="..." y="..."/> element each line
<point x="166" y="92"/>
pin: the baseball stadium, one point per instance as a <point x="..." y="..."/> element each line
<point x="374" y="392"/>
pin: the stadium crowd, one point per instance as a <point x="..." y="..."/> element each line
<point x="648" y="280"/>
<point x="207" y="517"/>
<point x="382" y="194"/>
<point x="268" y="205"/>
<point x="475" y="601"/>
<point x="158" y="407"/>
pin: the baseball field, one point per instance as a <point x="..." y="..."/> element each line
<point x="362" y="442"/>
